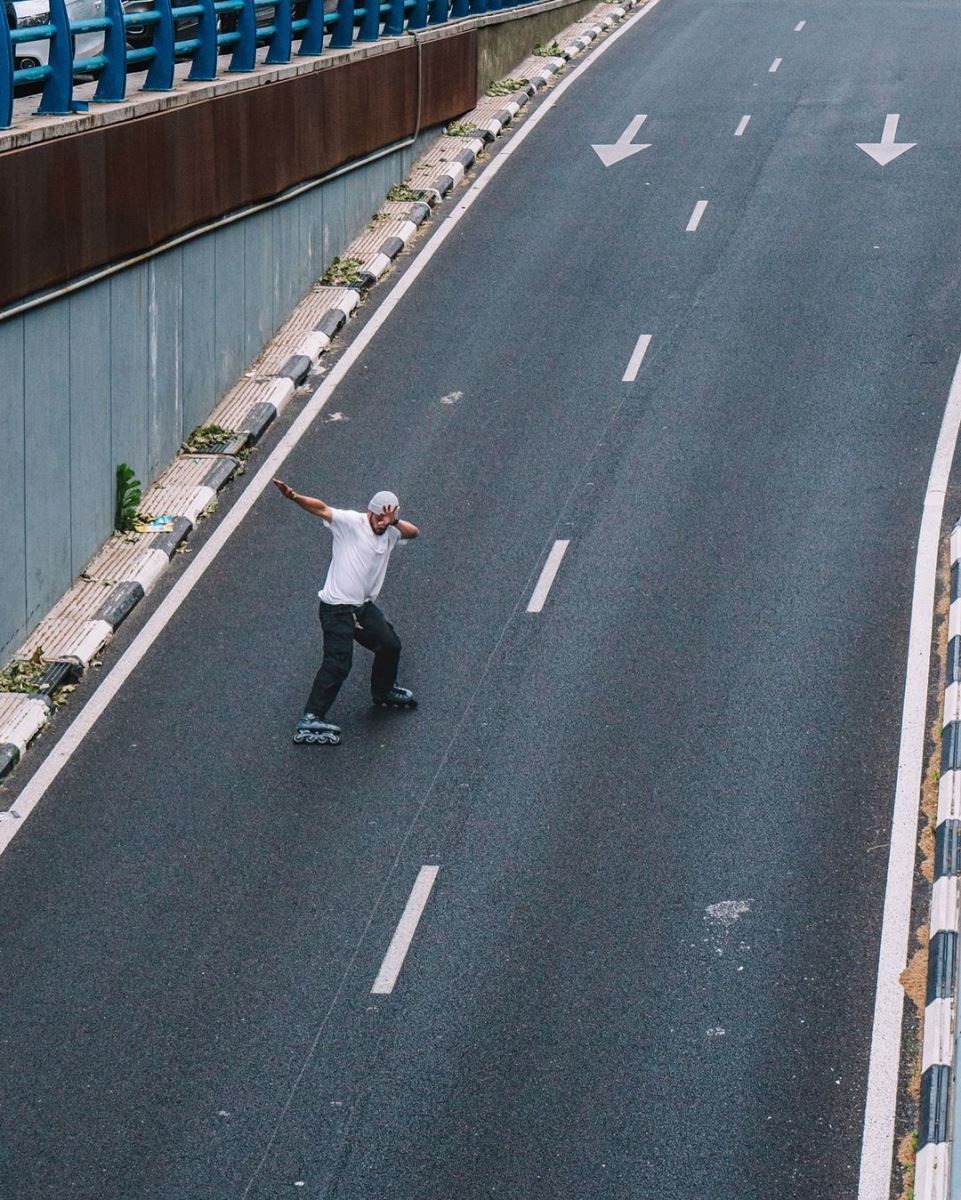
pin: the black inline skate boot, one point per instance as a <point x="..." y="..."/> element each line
<point x="314" y="731"/>
<point x="397" y="697"/>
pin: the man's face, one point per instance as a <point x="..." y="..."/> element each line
<point x="380" y="521"/>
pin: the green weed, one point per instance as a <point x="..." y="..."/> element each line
<point x="129" y="496"/>
<point x="342" y="272"/>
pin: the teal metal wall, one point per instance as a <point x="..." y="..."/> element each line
<point x="125" y="368"/>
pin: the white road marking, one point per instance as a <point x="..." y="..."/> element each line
<point x="742" y="125"/>
<point x="878" y="1144"/>
<point x="87" y="717"/>
<point x="636" y="358"/>
<point x="696" y="216"/>
<point x="799" y="26"/>
<point x="774" y="65"/>
<point x="547" y="576"/>
<point x="404" y="933"/>
<point x="615" y="152"/>
<point x="887" y="150"/>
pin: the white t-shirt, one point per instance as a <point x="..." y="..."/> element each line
<point x="359" y="559"/>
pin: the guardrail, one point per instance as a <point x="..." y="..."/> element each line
<point x="218" y="28"/>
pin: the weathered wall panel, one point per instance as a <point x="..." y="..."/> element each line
<point x="91" y="477"/>
<point x="198" y="344"/>
<point x="290" y="279"/>
<point x="164" y="332"/>
<point x="126" y="359"/>
<point x="46" y="404"/>
<point x="229" y="304"/>
<point x="199" y="161"/>
<point x="13" y="546"/>
<point x="258" y="282"/>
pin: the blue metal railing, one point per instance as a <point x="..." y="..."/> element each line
<point x="237" y="28"/>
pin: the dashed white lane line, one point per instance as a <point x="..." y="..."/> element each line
<point x="879" y="1114"/>
<point x="547" y="576"/>
<point x="696" y="216"/>
<point x="404" y="933"/>
<point x="636" y="358"/>
<point x="799" y="26"/>
<point x="742" y="125"/>
<point x="774" y="65"/>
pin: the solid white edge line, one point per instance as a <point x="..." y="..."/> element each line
<point x="877" y="1147"/>
<point x="774" y="65"/>
<point x="91" y="712"/>
<point x="539" y="595"/>
<point x="696" y="216"/>
<point x="742" y="125"/>
<point x="634" y="365"/>
<point x="404" y="933"/>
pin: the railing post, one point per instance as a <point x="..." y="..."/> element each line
<point x="370" y="24"/>
<point x="244" y="57"/>
<point x="459" y="8"/>
<point x="478" y="6"/>
<point x="282" y="42"/>
<point x="112" y="85"/>
<point x="438" y="11"/>
<point x="312" y="43"/>
<point x="160" y="74"/>
<point x="394" y="25"/>
<point x="58" y="87"/>
<point x="343" y="31"/>
<point x="204" y="65"/>
<point x="6" y="71"/>
<point x="418" y="15"/>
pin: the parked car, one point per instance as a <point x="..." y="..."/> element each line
<point x="185" y="27"/>
<point x="37" y="12"/>
<point x="142" y="35"/>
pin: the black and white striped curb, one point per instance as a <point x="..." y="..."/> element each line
<point x="932" y="1166"/>
<point x="125" y="569"/>
<point x="446" y="165"/>
<point x="76" y="629"/>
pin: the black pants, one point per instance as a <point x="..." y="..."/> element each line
<point x="343" y="625"/>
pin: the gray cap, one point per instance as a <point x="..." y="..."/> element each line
<point x="382" y="500"/>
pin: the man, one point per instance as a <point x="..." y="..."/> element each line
<point x="362" y="547"/>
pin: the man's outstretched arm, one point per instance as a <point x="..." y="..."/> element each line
<point x="308" y="503"/>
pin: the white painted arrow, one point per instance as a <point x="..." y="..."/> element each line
<point x="887" y="149"/>
<point x="622" y="148"/>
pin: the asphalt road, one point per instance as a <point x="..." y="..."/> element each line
<point x="658" y="807"/>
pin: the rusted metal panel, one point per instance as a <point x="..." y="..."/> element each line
<point x="81" y="202"/>
<point x="450" y="78"/>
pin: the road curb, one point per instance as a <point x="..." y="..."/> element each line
<point x="933" y="1162"/>
<point x="124" y="570"/>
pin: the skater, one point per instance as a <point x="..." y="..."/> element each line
<point x="362" y="547"/>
